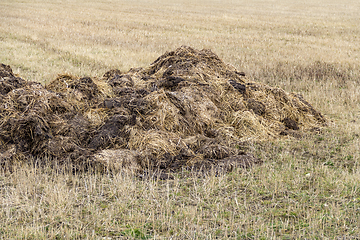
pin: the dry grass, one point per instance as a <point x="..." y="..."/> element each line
<point x="307" y="188"/>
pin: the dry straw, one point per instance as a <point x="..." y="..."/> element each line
<point x="186" y="109"/>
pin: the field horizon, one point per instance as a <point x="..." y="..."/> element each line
<point x="307" y="187"/>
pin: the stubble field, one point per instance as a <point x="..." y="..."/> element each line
<point x="307" y="187"/>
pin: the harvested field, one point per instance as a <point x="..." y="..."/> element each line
<point x="187" y="109"/>
<point x="306" y="182"/>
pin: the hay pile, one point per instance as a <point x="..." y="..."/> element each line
<point x="187" y="108"/>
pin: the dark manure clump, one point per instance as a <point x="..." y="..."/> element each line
<point x="188" y="109"/>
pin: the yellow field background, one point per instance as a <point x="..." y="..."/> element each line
<point x="43" y="38"/>
<point x="307" y="187"/>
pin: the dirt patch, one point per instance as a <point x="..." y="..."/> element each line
<point x="187" y="109"/>
<point x="8" y="81"/>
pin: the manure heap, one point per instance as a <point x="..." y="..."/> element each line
<point x="187" y="109"/>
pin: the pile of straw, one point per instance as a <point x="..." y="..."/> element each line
<point x="187" y="109"/>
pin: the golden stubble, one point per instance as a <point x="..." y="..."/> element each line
<point x="306" y="187"/>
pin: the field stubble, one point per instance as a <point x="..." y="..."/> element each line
<point x="306" y="188"/>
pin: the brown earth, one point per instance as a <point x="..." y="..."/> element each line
<point x="187" y="109"/>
